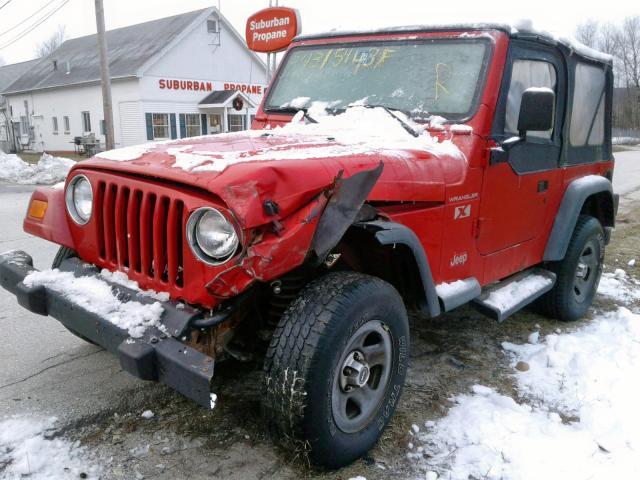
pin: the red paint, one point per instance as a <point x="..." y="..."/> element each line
<point x="472" y="219"/>
<point x="54" y="227"/>
<point x="272" y="29"/>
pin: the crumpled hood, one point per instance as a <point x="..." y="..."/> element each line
<point x="291" y="166"/>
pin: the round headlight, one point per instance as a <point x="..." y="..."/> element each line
<point x="212" y="236"/>
<point x="79" y="199"/>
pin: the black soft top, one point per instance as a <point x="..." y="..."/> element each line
<point x="570" y="46"/>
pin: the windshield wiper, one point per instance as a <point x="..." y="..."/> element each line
<point x="405" y="125"/>
<point x="293" y="111"/>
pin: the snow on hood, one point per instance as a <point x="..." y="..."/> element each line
<point x="47" y="171"/>
<point x="357" y="131"/>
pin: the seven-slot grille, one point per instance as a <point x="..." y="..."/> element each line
<point x="140" y="231"/>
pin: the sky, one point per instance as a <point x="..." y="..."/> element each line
<point x="78" y="17"/>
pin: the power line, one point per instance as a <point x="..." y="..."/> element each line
<point x="30" y="29"/>
<point x="5" y="4"/>
<point x="28" y="18"/>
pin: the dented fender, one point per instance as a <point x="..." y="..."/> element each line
<point x="54" y="226"/>
<point x="272" y="255"/>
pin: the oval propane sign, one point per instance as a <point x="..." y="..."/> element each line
<point x="272" y="29"/>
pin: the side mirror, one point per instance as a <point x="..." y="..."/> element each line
<point x="536" y="110"/>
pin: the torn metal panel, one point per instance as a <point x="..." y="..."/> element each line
<point x="343" y="208"/>
<point x="274" y="255"/>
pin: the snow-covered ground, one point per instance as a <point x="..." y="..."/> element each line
<point x="574" y="415"/>
<point x="47" y="171"/>
<point x="32" y="448"/>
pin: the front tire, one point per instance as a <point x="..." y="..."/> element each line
<point x="336" y="366"/>
<point x="578" y="274"/>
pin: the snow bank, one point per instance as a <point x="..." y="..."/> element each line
<point x="490" y="436"/>
<point x="590" y="376"/>
<point x="30" y="448"/>
<point x="619" y="287"/>
<point x="591" y="373"/>
<point x="625" y="141"/>
<point x="95" y="295"/>
<point x="47" y="171"/>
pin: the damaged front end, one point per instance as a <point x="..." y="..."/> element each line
<point x="158" y="355"/>
<point x="248" y="293"/>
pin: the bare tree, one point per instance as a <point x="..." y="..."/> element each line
<point x="52" y="43"/>
<point x="629" y="50"/>
<point x="587" y="33"/>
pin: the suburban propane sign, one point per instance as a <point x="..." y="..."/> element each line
<point x="272" y="29"/>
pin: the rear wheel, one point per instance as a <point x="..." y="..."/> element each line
<point x="63" y="254"/>
<point x="578" y="274"/>
<point x="336" y="366"/>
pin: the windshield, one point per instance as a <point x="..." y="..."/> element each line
<point x="420" y="77"/>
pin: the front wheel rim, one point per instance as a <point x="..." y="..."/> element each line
<point x="586" y="272"/>
<point x="362" y="377"/>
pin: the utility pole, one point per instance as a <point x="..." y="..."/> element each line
<point x="107" y="107"/>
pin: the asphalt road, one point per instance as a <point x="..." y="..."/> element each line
<point x="47" y="371"/>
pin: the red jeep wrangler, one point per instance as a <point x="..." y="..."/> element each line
<point x="422" y="167"/>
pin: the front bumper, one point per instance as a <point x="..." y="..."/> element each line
<point x="156" y="356"/>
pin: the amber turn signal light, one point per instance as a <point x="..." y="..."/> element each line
<point x="37" y="209"/>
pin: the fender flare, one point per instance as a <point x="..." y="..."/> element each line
<point x="567" y="216"/>
<point x="389" y="233"/>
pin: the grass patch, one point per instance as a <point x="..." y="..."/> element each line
<point x="33" y="158"/>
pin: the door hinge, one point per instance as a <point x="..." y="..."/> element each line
<point x="476" y="227"/>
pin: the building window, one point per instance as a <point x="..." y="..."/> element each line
<point x="54" y="121"/>
<point x="86" y="122"/>
<point x="103" y="128"/>
<point x="67" y="128"/>
<point x="212" y="25"/>
<point x="24" y="126"/>
<point x="160" y="126"/>
<point x="236" y="123"/>
<point x="192" y="122"/>
<point x="215" y="125"/>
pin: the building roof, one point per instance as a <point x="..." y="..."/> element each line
<point x="10" y="73"/>
<point x="223" y="98"/>
<point x="217" y="96"/>
<point x="130" y="48"/>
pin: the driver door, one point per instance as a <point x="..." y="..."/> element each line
<point x="517" y="187"/>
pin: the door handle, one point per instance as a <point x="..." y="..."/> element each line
<point x="543" y="186"/>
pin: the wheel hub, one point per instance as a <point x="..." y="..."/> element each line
<point x="362" y="376"/>
<point x="355" y="372"/>
<point x="582" y="270"/>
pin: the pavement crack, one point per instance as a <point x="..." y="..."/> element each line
<point x="39" y="372"/>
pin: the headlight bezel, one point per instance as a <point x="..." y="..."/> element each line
<point x="192" y="225"/>
<point x="69" y="196"/>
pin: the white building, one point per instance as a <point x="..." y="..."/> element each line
<point x="176" y="77"/>
<point x="8" y="75"/>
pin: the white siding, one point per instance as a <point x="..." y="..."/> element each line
<point x="71" y="102"/>
<point x="132" y="124"/>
